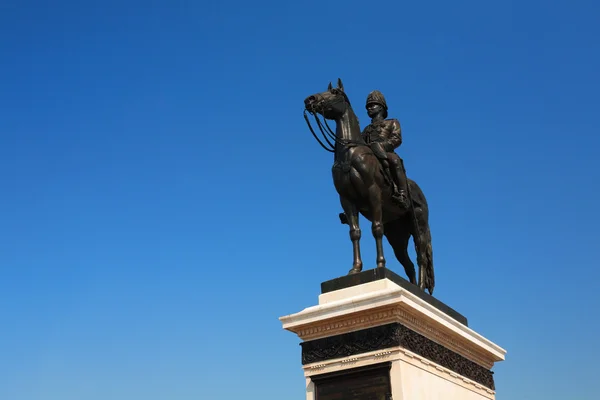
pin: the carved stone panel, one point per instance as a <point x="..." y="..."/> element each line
<point x="370" y="383"/>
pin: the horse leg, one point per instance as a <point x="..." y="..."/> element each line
<point x="422" y="237"/>
<point x="351" y="213"/>
<point x="398" y="235"/>
<point x="377" y="224"/>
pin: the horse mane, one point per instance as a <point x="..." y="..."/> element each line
<point x="353" y="117"/>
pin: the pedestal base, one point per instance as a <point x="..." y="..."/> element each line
<point x="373" y="338"/>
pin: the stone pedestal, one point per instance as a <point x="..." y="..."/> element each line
<point x="375" y="336"/>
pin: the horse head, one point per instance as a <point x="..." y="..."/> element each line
<point x="331" y="104"/>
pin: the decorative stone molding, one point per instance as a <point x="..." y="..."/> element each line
<point x="350" y="345"/>
<point x="389" y="314"/>
<point x="433" y="332"/>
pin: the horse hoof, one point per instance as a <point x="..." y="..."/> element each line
<point x="354" y="271"/>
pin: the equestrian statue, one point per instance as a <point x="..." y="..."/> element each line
<point x="371" y="180"/>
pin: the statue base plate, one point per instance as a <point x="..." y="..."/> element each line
<point x="376" y="274"/>
<point x="372" y="329"/>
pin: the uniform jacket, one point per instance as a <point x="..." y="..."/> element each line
<point x="387" y="132"/>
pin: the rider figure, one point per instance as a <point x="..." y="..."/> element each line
<point x="384" y="136"/>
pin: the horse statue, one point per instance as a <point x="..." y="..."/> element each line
<point x="363" y="188"/>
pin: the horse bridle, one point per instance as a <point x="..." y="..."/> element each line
<point x="327" y="132"/>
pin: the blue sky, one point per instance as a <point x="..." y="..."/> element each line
<point x="163" y="202"/>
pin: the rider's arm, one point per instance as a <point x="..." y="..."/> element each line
<point x="395" y="139"/>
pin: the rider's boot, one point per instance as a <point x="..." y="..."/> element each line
<point x="399" y="193"/>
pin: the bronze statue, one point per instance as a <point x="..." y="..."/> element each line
<point x="364" y="187"/>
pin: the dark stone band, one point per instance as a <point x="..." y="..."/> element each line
<point x="391" y="335"/>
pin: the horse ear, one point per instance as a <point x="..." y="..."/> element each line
<point x="330" y="86"/>
<point x="340" y="84"/>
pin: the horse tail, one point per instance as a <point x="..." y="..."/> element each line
<point x="425" y="250"/>
<point x="422" y="236"/>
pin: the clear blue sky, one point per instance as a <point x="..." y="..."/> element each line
<point x="163" y="202"/>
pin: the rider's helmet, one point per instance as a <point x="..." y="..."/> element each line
<point x="376" y="97"/>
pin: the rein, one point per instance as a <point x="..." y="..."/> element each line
<point x="327" y="132"/>
<point x="315" y="135"/>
